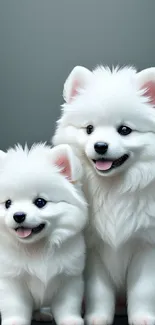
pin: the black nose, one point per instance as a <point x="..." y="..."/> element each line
<point x="19" y="217"/>
<point x="101" y="147"/>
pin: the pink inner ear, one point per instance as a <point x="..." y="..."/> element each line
<point x="74" y="90"/>
<point x="64" y="165"/>
<point x="150" y="91"/>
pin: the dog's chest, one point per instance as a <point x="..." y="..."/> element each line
<point x="42" y="292"/>
<point x="43" y="277"/>
<point x="117" y="262"/>
<point x="114" y="216"/>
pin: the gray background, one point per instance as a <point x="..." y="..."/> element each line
<point x="42" y="40"/>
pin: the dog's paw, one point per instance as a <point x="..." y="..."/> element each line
<point x="142" y="319"/>
<point x="97" y="320"/>
<point x="41" y="316"/>
<point x="15" y="321"/>
<point x="72" y="320"/>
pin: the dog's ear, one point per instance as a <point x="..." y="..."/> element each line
<point x="146" y="82"/>
<point x="69" y="165"/>
<point x="77" y="80"/>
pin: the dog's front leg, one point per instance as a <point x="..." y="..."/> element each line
<point x="141" y="288"/>
<point x="66" y="305"/>
<point x="15" y="302"/>
<point x="100" y="293"/>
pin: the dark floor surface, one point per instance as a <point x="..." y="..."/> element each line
<point x="119" y="320"/>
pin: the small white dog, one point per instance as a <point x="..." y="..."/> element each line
<point x="109" y="118"/>
<point x="42" y="250"/>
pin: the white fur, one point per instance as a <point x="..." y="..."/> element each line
<point x="45" y="269"/>
<point x="121" y="235"/>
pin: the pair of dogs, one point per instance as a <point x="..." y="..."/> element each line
<point x="108" y="121"/>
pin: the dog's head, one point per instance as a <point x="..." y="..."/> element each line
<point x="110" y="117"/>
<point x="37" y="191"/>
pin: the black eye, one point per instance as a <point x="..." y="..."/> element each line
<point x="8" y="204"/>
<point x="39" y="202"/>
<point x="89" y="129"/>
<point x="124" y="130"/>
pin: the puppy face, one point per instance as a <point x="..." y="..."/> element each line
<point x="36" y="191"/>
<point x="110" y="117"/>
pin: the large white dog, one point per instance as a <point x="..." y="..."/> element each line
<point x="42" y="250"/>
<point x="109" y="119"/>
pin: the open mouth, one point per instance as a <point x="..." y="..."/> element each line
<point x="24" y="232"/>
<point x="104" y="165"/>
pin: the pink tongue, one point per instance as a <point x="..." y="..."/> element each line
<point x="103" y="165"/>
<point x="24" y="232"/>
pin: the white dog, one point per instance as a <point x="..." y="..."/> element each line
<point x="42" y="250"/>
<point x="109" y="118"/>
